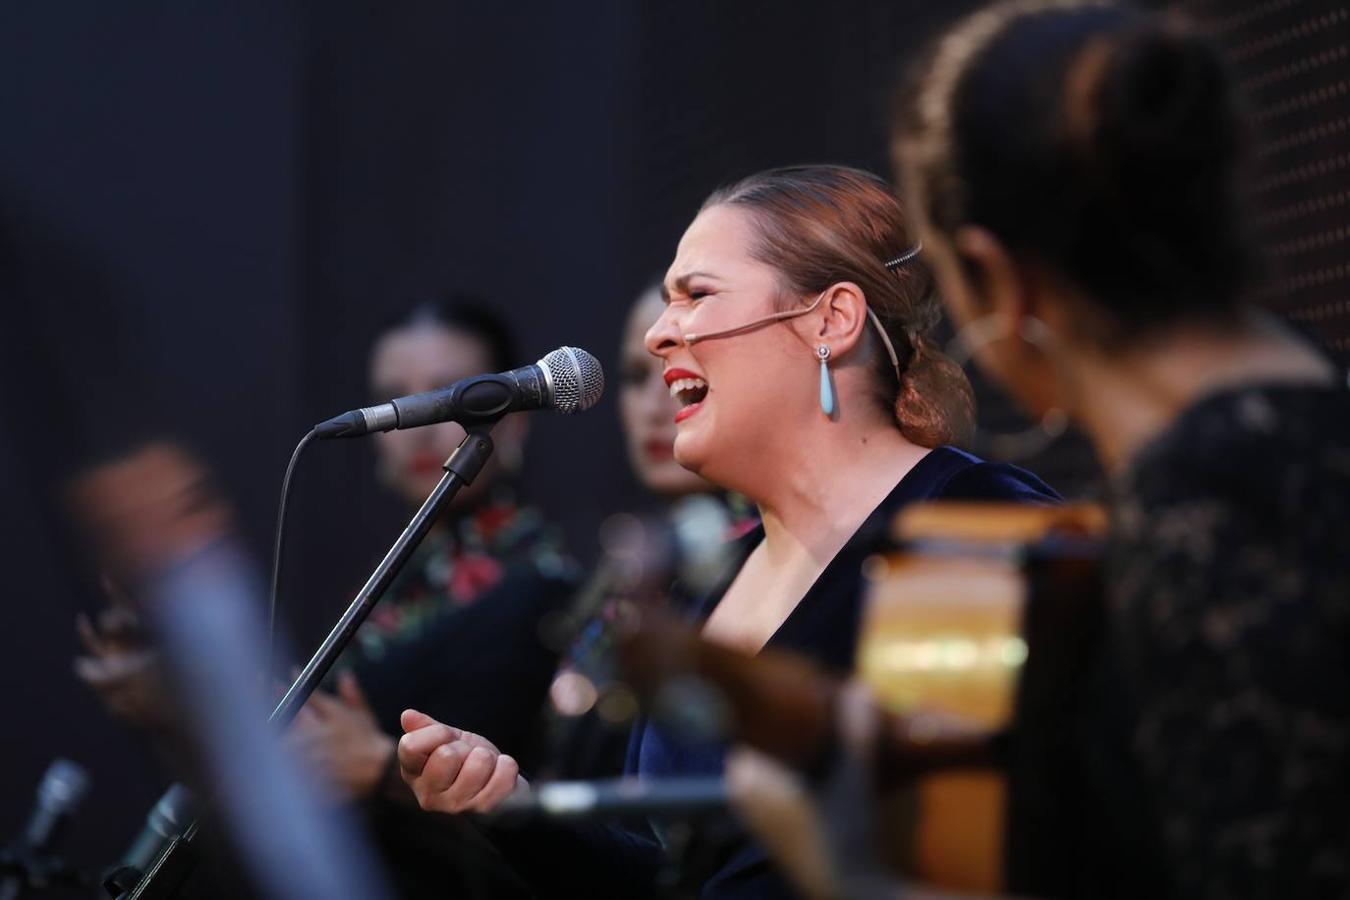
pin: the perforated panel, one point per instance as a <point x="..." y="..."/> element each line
<point x="1293" y="60"/>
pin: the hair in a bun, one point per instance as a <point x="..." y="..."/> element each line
<point x="1103" y="142"/>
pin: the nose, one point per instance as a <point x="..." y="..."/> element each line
<point x="665" y="334"/>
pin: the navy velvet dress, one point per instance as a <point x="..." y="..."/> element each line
<point x="606" y="861"/>
<point x="824" y="626"/>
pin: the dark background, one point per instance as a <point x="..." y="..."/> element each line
<point x="205" y="208"/>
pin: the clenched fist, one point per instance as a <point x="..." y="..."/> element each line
<point x="454" y="771"/>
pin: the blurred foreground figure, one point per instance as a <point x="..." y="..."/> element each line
<point x="142" y="510"/>
<point x="160" y="529"/>
<point x="1076" y="172"/>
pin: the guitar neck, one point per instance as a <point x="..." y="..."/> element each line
<point x="785" y="705"/>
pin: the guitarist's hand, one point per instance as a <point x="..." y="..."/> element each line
<point x="454" y="771"/>
<point x="774" y="803"/>
<point x="826" y="840"/>
<point x="122" y="665"/>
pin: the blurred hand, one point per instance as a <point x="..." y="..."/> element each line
<point x="772" y="801"/>
<point x="828" y="840"/>
<point x="454" y="771"/>
<point x="120" y="664"/>
<point x="336" y="736"/>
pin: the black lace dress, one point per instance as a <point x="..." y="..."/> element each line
<point x="1221" y="710"/>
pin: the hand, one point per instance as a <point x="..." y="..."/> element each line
<point x="454" y="771"/>
<point x="337" y="736"/>
<point x="120" y="665"/>
<point x="827" y="841"/>
<point x="772" y="801"/>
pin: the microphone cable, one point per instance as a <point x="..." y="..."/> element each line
<point x="279" y="547"/>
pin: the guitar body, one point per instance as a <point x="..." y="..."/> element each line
<point x="979" y="618"/>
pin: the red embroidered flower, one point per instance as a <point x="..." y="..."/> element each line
<point x="473" y="574"/>
<point x="491" y="519"/>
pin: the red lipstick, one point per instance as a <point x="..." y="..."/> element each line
<point x="688" y="411"/>
<point x="673" y="375"/>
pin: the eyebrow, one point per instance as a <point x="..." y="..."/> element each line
<point x="682" y="283"/>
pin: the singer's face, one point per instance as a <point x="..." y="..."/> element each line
<point x="739" y="395"/>
<point x="408" y="361"/>
<point x="648" y="410"/>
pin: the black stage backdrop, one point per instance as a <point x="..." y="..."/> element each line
<point x="205" y="209"/>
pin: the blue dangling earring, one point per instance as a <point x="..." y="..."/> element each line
<point x="826" y="388"/>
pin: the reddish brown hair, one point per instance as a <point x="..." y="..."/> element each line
<point x="821" y="225"/>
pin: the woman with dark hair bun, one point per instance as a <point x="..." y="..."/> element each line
<point x="1075" y="173"/>
<point x="463" y="613"/>
<point x="486" y="540"/>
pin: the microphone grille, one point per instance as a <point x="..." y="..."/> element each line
<point x="64" y="785"/>
<point x="576" y="377"/>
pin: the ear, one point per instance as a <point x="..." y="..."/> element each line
<point x="841" y="318"/>
<point x="1000" y="284"/>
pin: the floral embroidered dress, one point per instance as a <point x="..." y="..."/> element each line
<point x="463" y="614"/>
<point x="456" y="566"/>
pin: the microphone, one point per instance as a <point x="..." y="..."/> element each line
<point x="568" y="379"/>
<point x="59" y="794"/>
<point x="169" y="816"/>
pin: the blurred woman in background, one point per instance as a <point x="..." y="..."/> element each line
<point x="590" y="745"/>
<point x="487" y="547"/>
<point x="464" y="612"/>
<point x="1076" y="174"/>
<point x="647" y="410"/>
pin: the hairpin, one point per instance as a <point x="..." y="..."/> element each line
<point x="903" y="258"/>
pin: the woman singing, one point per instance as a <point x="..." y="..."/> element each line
<point x="793" y="338"/>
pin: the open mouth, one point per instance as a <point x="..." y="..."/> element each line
<point x="688" y="391"/>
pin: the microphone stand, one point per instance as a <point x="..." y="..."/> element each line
<point x="174" y="863"/>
